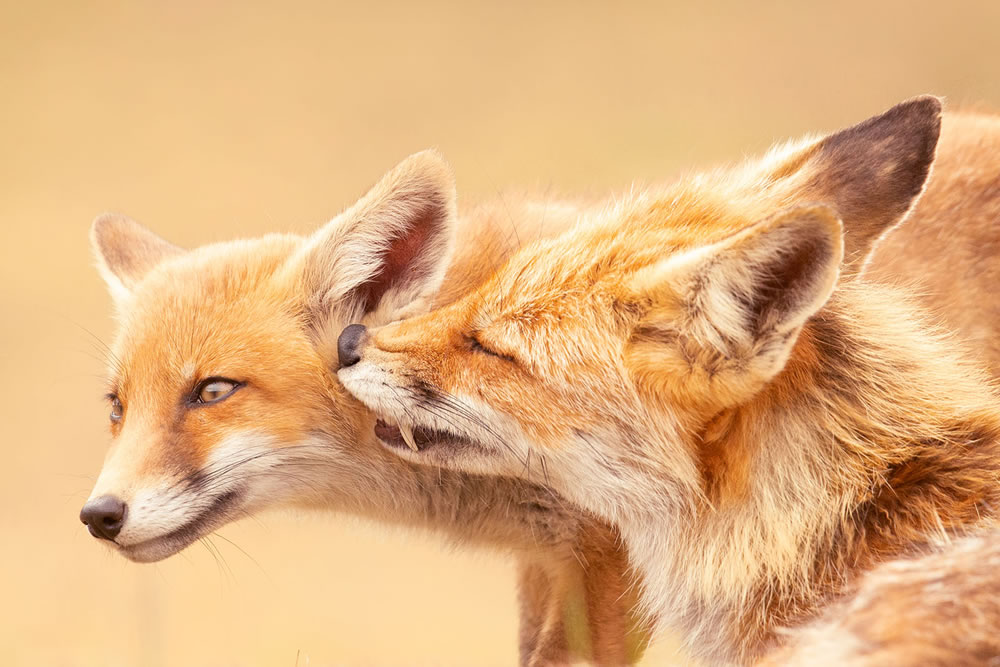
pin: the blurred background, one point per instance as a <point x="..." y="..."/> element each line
<point x="208" y="121"/>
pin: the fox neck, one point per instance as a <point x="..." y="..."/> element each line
<point x="875" y="439"/>
<point x="352" y="472"/>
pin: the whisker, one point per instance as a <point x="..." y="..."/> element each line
<point x="447" y="404"/>
<point x="108" y="355"/>
<point x="218" y="565"/>
<point x="243" y="551"/>
<point x="596" y="450"/>
<point x="545" y="469"/>
<point x="208" y="481"/>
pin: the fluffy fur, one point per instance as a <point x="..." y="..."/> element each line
<point x="688" y="366"/>
<point x="265" y="313"/>
<point x="936" y="609"/>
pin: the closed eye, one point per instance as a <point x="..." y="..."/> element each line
<point x="476" y="345"/>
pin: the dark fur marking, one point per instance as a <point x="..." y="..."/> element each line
<point x="872" y="172"/>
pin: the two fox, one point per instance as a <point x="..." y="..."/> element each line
<point x="705" y="369"/>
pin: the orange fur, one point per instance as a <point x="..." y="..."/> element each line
<point x="701" y="366"/>
<point x="260" y="312"/>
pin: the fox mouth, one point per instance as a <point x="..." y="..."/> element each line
<point x="416" y="438"/>
<point x="218" y="513"/>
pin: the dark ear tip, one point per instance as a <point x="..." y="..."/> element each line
<point x="923" y="112"/>
<point x="929" y="104"/>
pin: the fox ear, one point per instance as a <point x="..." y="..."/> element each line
<point x="723" y="319"/>
<point x="871" y="174"/>
<point x="385" y="257"/>
<point x="125" y="252"/>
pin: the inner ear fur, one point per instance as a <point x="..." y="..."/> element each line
<point x="764" y="281"/>
<point x="871" y="174"/>
<point x="385" y="256"/>
<point x="725" y="317"/>
<point x="126" y="251"/>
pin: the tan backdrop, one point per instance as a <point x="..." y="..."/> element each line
<point x="211" y="120"/>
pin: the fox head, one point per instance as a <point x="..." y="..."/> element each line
<point x="593" y="362"/>
<point x="220" y="391"/>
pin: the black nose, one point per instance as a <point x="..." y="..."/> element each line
<point x="348" y="344"/>
<point x="104" y="517"/>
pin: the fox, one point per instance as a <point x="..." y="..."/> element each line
<point x="939" y="608"/>
<point x="126" y="252"/>
<point x="709" y="368"/>
<point x="224" y="401"/>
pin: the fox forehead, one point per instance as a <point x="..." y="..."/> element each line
<point x="596" y="256"/>
<point x="221" y="309"/>
<point x="566" y="297"/>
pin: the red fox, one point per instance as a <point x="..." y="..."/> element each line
<point x="702" y="366"/>
<point x="223" y="401"/>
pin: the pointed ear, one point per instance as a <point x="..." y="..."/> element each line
<point x="385" y="257"/>
<point x="724" y="318"/>
<point x="125" y="252"/>
<point x="871" y="174"/>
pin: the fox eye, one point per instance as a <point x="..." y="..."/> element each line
<point x="215" y="389"/>
<point x="479" y="347"/>
<point x="117" y="409"/>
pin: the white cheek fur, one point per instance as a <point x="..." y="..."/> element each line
<point x="247" y="462"/>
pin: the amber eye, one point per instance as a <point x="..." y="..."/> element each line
<point x="215" y="389"/>
<point x="117" y="410"/>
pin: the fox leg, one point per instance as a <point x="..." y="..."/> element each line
<point x="542" y="640"/>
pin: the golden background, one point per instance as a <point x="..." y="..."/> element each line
<point x="212" y="120"/>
